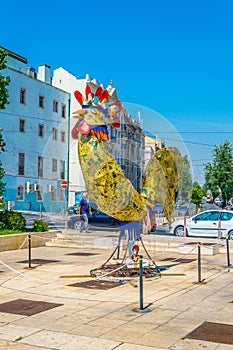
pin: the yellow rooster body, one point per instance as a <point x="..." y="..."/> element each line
<point x="105" y="181"/>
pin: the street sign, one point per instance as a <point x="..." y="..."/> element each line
<point x="64" y="184"/>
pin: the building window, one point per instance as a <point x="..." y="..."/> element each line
<point x="54" y="134"/>
<point x="20" y="193"/>
<point x="54" y="165"/>
<point x="41" y="130"/>
<point x="21" y="163"/>
<point x="55" y="106"/>
<point x="22" y="96"/>
<point x="53" y="194"/>
<point x="62" y="170"/>
<point x="62" y="197"/>
<point x="39" y="194"/>
<point x="41" y="101"/>
<point x="22" y="124"/>
<point x="63" y="136"/>
<point x="63" y="111"/>
<point x="40" y="166"/>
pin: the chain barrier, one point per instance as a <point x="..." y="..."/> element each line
<point x="19" y="273"/>
<point x="44" y="238"/>
<point x="173" y="260"/>
<point x="20" y="247"/>
<point x="103" y="276"/>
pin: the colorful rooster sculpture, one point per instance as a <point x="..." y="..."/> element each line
<point x="105" y="181"/>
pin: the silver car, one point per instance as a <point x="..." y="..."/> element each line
<point x="206" y="224"/>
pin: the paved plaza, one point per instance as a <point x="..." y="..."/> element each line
<point x="105" y="319"/>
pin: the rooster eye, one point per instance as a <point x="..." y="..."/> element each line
<point x="94" y="111"/>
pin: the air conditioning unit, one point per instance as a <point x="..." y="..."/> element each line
<point x="50" y="188"/>
<point x="36" y="187"/>
<point x="28" y="186"/>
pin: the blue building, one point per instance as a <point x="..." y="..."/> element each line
<point x="35" y="127"/>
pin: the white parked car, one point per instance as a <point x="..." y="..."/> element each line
<point x="205" y="224"/>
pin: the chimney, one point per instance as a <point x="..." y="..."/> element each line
<point x="44" y="73"/>
<point x="31" y="72"/>
<point x="88" y="78"/>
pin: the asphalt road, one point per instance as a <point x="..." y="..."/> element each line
<point x="58" y="221"/>
<point x="55" y="222"/>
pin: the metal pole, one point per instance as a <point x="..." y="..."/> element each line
<point x="141" y="309"/>
<point x="66" y="214"/>
<point x="118" y="247"/>
<point x="185" y="231"/>
<point x="219" y="227"/>
<point x="199" y="261"/>
<point x="40" y="212"/>
<point x="68" y="158"/>
<point x="228" y="250"/>
<point x="140" y="282"/>
<point x="29" y="251"/>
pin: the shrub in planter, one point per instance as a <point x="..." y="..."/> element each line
<point x="12" y="220"/>
<point x="2" y="226"/>
<point x="40" y="226"/>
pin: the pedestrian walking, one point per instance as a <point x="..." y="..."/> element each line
<point x="83" y="210"/>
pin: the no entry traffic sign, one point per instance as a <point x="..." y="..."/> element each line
<point x="64" y="184"/>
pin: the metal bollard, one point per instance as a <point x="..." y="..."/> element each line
<point x="219" y="228"/>
<point x="40" y="212"/>
<point x="29" y="251"/>
<point x="118" y="247"/>
<point x="199" y="261"/>
<point x="185" y="229"/>
<point x="141" y="282"/>
<point x="228" y="251"/>
<point x="141" y="309"/>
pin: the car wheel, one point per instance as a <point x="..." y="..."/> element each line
<point x="230" y="234"/>
<point x="179" y="231"/>
<point x="76" y="225"/>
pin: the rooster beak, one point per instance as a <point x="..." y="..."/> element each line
<point x="79" y="113"/>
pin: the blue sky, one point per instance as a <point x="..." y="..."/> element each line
<point x="174" y="57"/>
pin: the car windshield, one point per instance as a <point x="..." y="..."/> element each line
<point x="226" y="216"/>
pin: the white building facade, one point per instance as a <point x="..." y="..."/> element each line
<point x="35" y="127"/>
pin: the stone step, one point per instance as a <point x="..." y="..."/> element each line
<point x="67" y="244"/>
<point x="72" y="241"/>
<point x="109" y="240"/>
<point x="79" y="240"/>
<point x="96" y="240"/>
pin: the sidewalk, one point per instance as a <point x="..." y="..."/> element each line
<point x="91" y="318"/>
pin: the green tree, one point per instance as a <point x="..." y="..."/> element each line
<point x="4" y="81"/>
<point x="196" y="195"/>
<point x="186" y="179"/>
<point x="219" y="173"/>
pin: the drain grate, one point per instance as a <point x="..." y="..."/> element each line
<point x="38" y="261"/>
<point x="26" y="307"/>
<point x="213" y="332"/>
<point x="96" y="284"/>
<point x="179" y="260"/>
<point x="82" y="254"/>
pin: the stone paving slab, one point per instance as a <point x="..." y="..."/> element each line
<point x="104" y="319"/>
